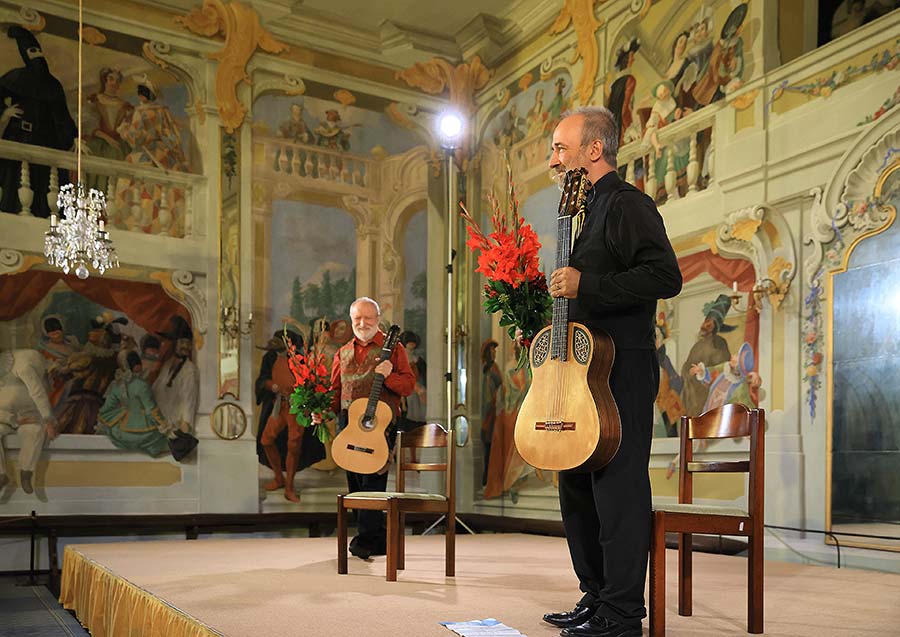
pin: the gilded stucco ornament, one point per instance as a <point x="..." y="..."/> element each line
<point x="243" y="34"/>
<point x="580" y="13"/>
<point x="438" y="75"/>
<point x="185" y="288"/>
<point x="32" y="20"/>
<point x="10" y="261"/>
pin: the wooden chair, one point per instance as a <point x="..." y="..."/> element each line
<point x="396" y="504"/>
<point x="685" y="518"/>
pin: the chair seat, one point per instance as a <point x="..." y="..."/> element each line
<point x="701" y="509"/>
<point x="386" y="495"/>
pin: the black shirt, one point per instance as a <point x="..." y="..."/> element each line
<point x="626" y="264"/>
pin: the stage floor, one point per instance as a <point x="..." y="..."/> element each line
<point x="290" y="587"/>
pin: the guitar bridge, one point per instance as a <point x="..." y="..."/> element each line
<point x="360" y="449"/>
<point x="554" y="425"/>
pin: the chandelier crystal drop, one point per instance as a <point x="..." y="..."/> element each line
<point x="80" y="237"/>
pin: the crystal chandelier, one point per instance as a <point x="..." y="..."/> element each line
<point x="79" y="237"/>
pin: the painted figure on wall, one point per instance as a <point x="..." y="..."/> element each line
<point x="537" y="114"/>
<point x="668" y="399"/>
<point x="150" y="346"/>
<point x="56" y="347"/>
<point x="33" y="110"/>
<point x="301" y="447"/>
<point x="665" y="111"/>
<point x="129" y="416"/>
<point x="731" y="382"/>
<point x="109" y="112"/>
<point x="177" y="386"/>
<point x="412" y="407"/>
<point x="151" y="132"/>
<point x="294" y="128"/>
<point x="512" y="130"/>
<point x="331" y="133"/>
<point x="491" y="400"/>
<point x="710" y="349"/>
<point x="88" y="373"/>
<point x="719" y="64"/>
<point x="24" y="410"/>
<point x="621" y="93"/>
<point x="557" y="106"/>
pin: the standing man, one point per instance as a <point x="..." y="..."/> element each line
<point x="352" y="375"/>
<point x="177" y="387"/>
<point x="621" y="264"/>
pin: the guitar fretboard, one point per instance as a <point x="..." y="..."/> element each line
<point x="374" y="395"/>
<point x="560" y="330"/>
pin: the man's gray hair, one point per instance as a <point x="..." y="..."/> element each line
<point x="599" y="123"/>
<point x="366" y="299"/>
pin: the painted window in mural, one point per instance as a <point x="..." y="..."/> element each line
<point x="839" y="17"/>
<point x="133" y="113"/>
<point x="312" y="283"/>
<point x="415" y="289"/>
<point x="76" y="358"/>
<point x="865" y="438"/>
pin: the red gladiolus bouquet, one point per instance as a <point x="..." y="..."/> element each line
<point x="312" y="389"/>
<point x="508" y="257"/>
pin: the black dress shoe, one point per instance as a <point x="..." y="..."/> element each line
<point x="575" y="617"/>
<point x="602" y="627"/>
<point x="360" y="549"/>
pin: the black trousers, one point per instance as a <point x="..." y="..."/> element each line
<point x="606" y="513"/>
<point x="370" y="525"/>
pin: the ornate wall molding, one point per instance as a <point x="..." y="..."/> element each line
<point x="580" y="14"/>
<point x="185" y="67"/>
<point x="761" y="235"/>
<point x="243" y="35"/>
<point x="11" y="261"/>
<point x="185" y="288"/>
<point x="287" y="84"/>
<point x="438" y="75"/>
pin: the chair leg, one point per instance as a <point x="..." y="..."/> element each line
<point x="341" y="536"/>
<point x="657" y="574"/>
<point x="755" y="602"/>
<point x="685" y="573"/>
<point x="401" y="542"/>
<point x="392" y="549"/>
<point x="450" y="545"/>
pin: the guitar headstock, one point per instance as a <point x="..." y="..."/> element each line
<point x="574" y="192"/>
<point x="390" y="341"/>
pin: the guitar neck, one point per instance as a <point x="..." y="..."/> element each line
<point x="374" y="395"/>
<point x="560" y="331"/>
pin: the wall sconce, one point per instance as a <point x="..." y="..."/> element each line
<point x="765" y="288"/>
<point x="231" y="323"/>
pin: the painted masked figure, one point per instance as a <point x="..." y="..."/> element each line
<point x="33" y="110"/>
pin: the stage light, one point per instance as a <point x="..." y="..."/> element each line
<point x="450" y="126"/>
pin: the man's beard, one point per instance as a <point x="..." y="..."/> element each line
<point x="558" y="176"/>
<point x="365" y="334"/>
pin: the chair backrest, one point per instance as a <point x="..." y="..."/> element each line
<point x="727" y="421"/>
<point x="428" y="436"/>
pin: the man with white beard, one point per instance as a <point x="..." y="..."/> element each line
<point x="177" y="386"/>
<point x="352" y="376"/>
<point x="25" y="410"/>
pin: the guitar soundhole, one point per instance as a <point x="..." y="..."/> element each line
<point x="541" y="348"/>
<point x="367" y="423"/>
<point x="581" y="346"/>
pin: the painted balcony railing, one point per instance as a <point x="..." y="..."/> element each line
<point x="315" y="166"/>
<point x="139" y="198"/>
<point x="674" y="161"/>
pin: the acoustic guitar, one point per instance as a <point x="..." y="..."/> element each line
<point x="361" y="446"/>
<point x="569" y="419"/>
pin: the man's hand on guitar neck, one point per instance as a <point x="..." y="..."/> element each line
<point x="384" y="368"/>
<point x="564" y="283"/>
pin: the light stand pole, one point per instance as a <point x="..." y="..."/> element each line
<point x="451" y="129"/>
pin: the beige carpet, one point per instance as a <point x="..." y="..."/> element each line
<point x="275" y="587"/>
